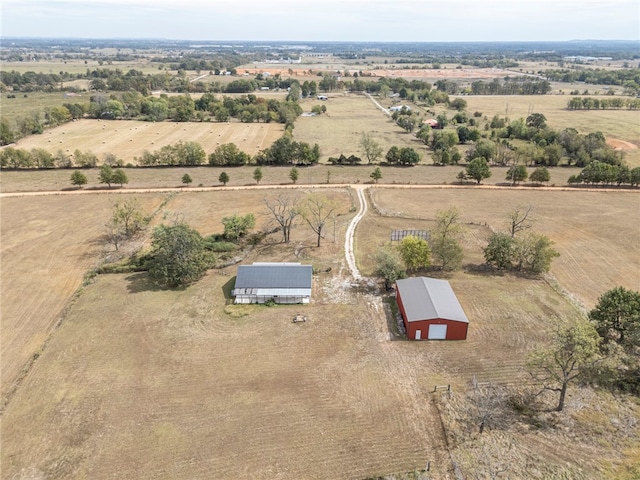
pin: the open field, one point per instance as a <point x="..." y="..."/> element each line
<point x="595" y="233"/>
<point x="170" y="386"/>
<point x="339" y="130"/>
<point x="129" y="138"/>
<point x="180" y="384"/>
<point x="48" y="243"/>
<point x="79" y="66"/>
<point x="44" y="251"/>
<point x="34" y="103"/>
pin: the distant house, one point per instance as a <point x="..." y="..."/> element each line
<point x="430" y="309"/>
<point x="398" y="108"/>
<point x="433" y="123"/>
<point x="280" y="282"/>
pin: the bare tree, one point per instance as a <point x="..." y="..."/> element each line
<point x="488" y="404"/>
<point x="114" y="233"/>
<point x="520" y="218"/>
<point x="316" y="210"/>
<point x="284" y="210"/>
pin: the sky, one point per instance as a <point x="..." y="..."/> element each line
<point x="325" y="20"/>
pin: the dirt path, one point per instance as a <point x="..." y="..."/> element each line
<point x="351" y="229"/>
<point x="384" y="110"/>
<point x="306" y="186"/>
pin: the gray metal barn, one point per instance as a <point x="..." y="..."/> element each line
<point x="280" y="282"/>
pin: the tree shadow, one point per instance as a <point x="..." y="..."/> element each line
<point x="140" y="282"/>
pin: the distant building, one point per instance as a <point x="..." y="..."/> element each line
<point x="433" y="123"/>
<point x="430" y="309"/>
<point x="280" y="282"/>
<point x="398" y="108"/>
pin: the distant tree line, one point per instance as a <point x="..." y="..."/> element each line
<point x="627" y="77"/>
<point x="590" y="103"/>
<point x="511" y="86"/>
<point x="600" y="173"/>
<point x="178" y="108"/>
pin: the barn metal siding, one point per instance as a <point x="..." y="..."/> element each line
<point x="285" y="283"/>
<point x="457" y="328"/>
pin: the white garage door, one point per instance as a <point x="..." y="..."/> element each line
<point x="437" y="332"/>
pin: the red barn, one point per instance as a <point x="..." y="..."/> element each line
<point x="430" y="309"/>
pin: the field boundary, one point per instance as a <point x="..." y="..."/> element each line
<point x="309" y="186"/>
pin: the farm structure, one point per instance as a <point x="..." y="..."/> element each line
<point x="430" y="309"/>
<point x="280" y="282"/>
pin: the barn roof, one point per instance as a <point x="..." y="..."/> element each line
<point x="274" y="276"/>
<point x="426" y="298"/>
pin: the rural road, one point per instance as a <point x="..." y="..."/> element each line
<point x="306" y="186"/>
<point x="351" y="229"/>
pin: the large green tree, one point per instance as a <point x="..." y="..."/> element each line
<point x="78" y="178"/>
<point x="415" y="253"/>
<point x="105" y="175"/>
<point x="237" y="226"/>
<point x="389" y="267"/>
<point x="616" y="316"/>
<point x="573" y="353"/>
<point x="478" y="169"/>
<point x="517" y="173"/>
<point x="540" y="175"/>
<point x="228" y="154"/>
<point x="372" y="149"/>
<point x="178" y="255"/>
<point x="499" y="251"/>
<point x="445" y="247"/>
<point x="120" y="177"/>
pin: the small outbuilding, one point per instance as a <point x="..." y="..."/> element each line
<point x="430" y="309"/>
<point x="281" y="282"/>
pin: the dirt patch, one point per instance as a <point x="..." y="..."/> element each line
<point x="622" y="145"/>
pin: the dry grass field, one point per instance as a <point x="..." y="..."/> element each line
<point x="168" y="385"/>
<point x="35" y="103"/>
<point x="128" y="139"/>
<point x="79" y="66"/>
<point x="139" y="382"/>
<point x="48" y="243"/>
<point x="596" y="233"/>
<point x="210" y="388"/>
<point x="339" y="130"/>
